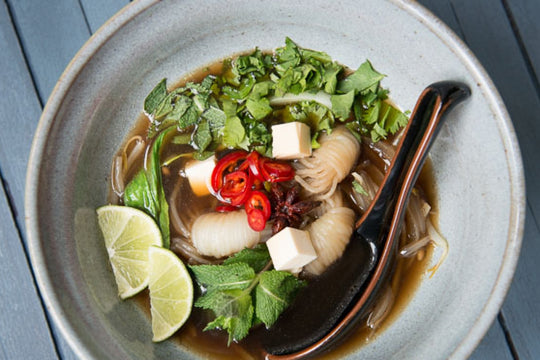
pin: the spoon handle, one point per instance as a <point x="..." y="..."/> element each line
<point x="376" y="232"/>
<point x="411" y="153"/>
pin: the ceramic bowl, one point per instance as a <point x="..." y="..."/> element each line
<point x="477" y="164"/>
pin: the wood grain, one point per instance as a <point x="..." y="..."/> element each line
<point x="51" y="33"/>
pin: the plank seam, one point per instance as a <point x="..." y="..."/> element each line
<point x="23" y="52"/>
<point x="85" y="18"/>
<point x="508" y="337"/>
<point x="522" y="47"/>
<point x="10" y="203"/>
<point x="461" y="32"/>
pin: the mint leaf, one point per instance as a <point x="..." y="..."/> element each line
<point x="233" y="310"/>
<point x="256" y="258"/>
<point x="364" y="78"/>
<point x="233" y="132"/>
<point x="240" y="285"/>
<point x="274" y="293"/>
<point x="202" y="137"/>
<point x="156" y="96"/>
<point x="224" y="277"/>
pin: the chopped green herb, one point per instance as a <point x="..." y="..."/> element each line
<point x="359" y="188"/>
<point x="237" y="108"/>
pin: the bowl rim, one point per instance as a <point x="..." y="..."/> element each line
<point x="513" y="157"/>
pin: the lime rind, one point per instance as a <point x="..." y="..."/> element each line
<point x="171" y="292"/>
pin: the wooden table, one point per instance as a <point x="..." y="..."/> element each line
<point x="37" y="40"/>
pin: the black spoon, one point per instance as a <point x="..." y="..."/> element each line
<point x="315" y="322"/>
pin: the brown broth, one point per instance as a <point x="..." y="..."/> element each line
<point x="406" y="278"/>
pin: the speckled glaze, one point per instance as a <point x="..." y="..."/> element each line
<point x="479" y="174"/>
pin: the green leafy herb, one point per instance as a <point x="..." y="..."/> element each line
<point x="237" y="108"/>
<point x="242" y="292"/>
<point x="364" y="78"/>
<point x="156" y="96"/>
<point x="359" y="188"/>
<point x="145" y="191"/>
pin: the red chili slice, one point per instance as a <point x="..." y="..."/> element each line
<point x="258" y="200"/>
<point x="236" y="187"/>
<point x="274" y="171"/>
<point x="256" y="219"/>
<point x="253" y="160"/>
<point x="225" y="165"/>
<point x="225" y="208"/>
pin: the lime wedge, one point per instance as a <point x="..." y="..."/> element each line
<point x="171" y="292"/>
<point x="128" y="234"/>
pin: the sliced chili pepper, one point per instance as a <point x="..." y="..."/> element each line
<point x="236" y="187"/>
<point x="256" y="219"/>
<point x="225" y="208"/>
<point x="225" y="165"/>
<point x="234" y="184"/>
<point x="274" y="171"/>
<point x="259" y="201"/>
<point x="253" y="160"/>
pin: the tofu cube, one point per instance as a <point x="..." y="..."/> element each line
<point x="291" y="140"/>
<point x="199" y="174"/>
<point x="290" y="249"/>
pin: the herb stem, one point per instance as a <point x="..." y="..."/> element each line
<point x="258" y="277"/>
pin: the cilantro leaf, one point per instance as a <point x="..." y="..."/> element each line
<point x="342" y="104"/>
<point x="364" y="78"/>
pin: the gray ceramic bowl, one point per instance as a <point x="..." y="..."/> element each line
<point x="479" y="173"/>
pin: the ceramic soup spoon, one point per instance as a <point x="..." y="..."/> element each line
<point x="314" y="323"/>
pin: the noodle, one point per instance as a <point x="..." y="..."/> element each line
<point x="330" y="164"/>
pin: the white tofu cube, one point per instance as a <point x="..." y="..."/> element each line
<point x="290" y="249"/>
<point x="291" y="140"/>
<point x="199" y="174"/>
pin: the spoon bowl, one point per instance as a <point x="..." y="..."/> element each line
<point x="367" y="262"/>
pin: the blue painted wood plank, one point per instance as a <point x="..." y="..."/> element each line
<point x="522" y="305"/>
<point x="524" y="15"/>
<point x="491" y="38"/>
<point x="24" y="332"/>
<point x="51" y="33"/>
<point x="492" y="345"/>
<point x="494" y="42"/>
<point x="19" y="113"/>
<point x="97" y="12"/>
